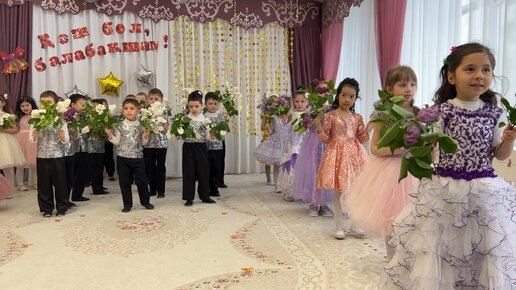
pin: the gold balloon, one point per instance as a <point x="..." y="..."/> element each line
<point x="110" y="85"/>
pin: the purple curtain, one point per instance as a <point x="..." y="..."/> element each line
<point x="331" y="44"/>
<point x="306" y="63"/>
<point x="389" y="19"/>
<point x="16" y="31"/>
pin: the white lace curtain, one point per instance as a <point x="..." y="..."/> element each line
<point x="201" y="56"/>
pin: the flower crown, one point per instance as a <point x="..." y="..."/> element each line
<point x="445" y="60"/>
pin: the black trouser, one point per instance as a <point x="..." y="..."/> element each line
<point x="196" y="167"/>
<point x="69" y="169"/>
<point x="222" y="163"/>
<point x="51" y="183"/>
<point x="215" y="158"/>
<point x="81" y="174"/>
<point x="155" y="167"/>
<point x="96" y="164"/>
<point x="130" y="169"/>
<point x="109" y="161"/>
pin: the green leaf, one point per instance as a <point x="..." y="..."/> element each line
<point x="421" y="151"/>
<point x="397" y="99"/>
<point x="383" y="95"/>
<point x="430" y="137"/>
<point x="507" y="105"/>
<point x="422" y="163"/>
<point x="417" y="171"/>
<point x="390" y="135"/>
<point x="447" y="144"/>
<point x="512" y="117"/>
<point x="402" y="112"/>
<point x="502" y="124"/>
<point x="403" y="169"/>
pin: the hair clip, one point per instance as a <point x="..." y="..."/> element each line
<point x="6" y="96"/>
<point x="446" y="61"/>
<point x="453" y="49"/>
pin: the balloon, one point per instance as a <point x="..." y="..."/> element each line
<point x="144" y="77"/>
<point x="75" y="91"/>
<point x="110" y="85"/>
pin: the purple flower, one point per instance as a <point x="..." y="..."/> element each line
<point x="282" y="101"/>
<point x="411" y="135"/>
<point x="326" y="107"/>
<point x="70" y="115"/>
<point x="315" y="82"/>
<point x="428" y="115"/>
<point x="323" y="91"/>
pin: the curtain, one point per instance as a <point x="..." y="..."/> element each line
<point x="389" y="19"/>
<point x="188" y="55"/>
<point x="432" y="28"/>
<point x="306" y="61"/>
<point x="331" y="45"/>
<point x="358" y="56"/>
<point x="16" y="31"/>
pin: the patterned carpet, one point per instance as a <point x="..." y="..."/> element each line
<point x="250" y="239"/>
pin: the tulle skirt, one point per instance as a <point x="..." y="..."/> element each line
<point x="458" y="234"/>
<point x="376" y="198"/>
<point x="272" y="150"/>
<point x="29" y="149"/>
<point x="11" y="153"/>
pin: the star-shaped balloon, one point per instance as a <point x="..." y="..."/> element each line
<point x="75" y="91"/>
<point x="110" y="85"/>
<point x="144" y="77"/>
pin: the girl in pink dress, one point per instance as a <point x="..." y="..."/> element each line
<point x="24" y="107"/>
<point x="345" y="132"/>
<point x="6" y="190"/>
<point x="377" y="197"/>
<point x="10" y="152"/>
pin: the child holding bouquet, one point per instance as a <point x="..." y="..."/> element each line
<point x="215" y="147"/>
<point x="12" y="155"/>
<point x="155" y="151"/>
<point x="24" y="107"/>
<point x="272" y="150"/>
<point x="51" y="134"/>
<point x="130" y="137"/>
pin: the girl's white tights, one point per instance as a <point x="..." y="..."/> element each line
<point x="9" y="175"/>
<point x="337" y="211"/>
<point x="32" y="176"/>
<point x="268" y="173"/>
<point x="390" y="249"/>
<point x="275" y="174"/>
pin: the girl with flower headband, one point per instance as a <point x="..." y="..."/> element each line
<point x="307" y="163"/>
<point x="376" y="198"/>
<point x="272" y="150"/>
<point x="24" y="107"/>
<point x="12" y="155"/>
<point x="461" y="231"/>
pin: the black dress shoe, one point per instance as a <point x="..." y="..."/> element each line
<point x="148" y="206"/>
<point x="111" y="178"/>
<point x="208" y="200"/>
<point x="189" y="203"/>
<point x="82" y="198"/>
<point x="100" y="193"/>
<point x="47" y="214"/>
<point x="71" y="204"/>
<point x="215" y="194"/>
<point x="60" y="213"/>
<point x="152" y="194"/>
<point x="223" y="186"/>
<point x="126" y="209"/>
<point x="161" y="195"/>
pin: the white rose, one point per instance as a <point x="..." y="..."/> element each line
<point x="43" y="111"/>
<point x="100" y="108"/>
<point x="180" y="131"/>
<point x="112" y="109"/>
<point x="63" y="106"/>
<point x="35" y="114"/>
<point x="207" y="121"/>
<point x="161" y="120"/>
<point x="223" y="133"/>
<point x="144" y="111"/>
<point x="1" y="121"/>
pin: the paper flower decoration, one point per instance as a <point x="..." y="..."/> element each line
<point x="144" y="77"/>
<point x="75" y="91"/>
<point x="13" y="62"/>
<point x="110" y="85"/>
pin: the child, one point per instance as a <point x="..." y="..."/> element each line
<point x="109" y="161"/>
<point x="81" y="174"/>
<point x="265" y="127"/>
<point x="130" y="137"/>
<point x="272" y="150"/>
<point x="155" y="152"/>
<point x="12" y="155"/>
<point x="377" y="197"/>
<point x="307" y="164"/>
<point x="345" y="132"/>
<point x="195" y="154"/>
<point x="460" y="232"/>
<point x="6" y="190"/>
<point x="287" y="173"/>
<point x="215" y="147"/>
<point x="50" y="163"/>
<point x="96" y="159"/>
<point x="24" y="107"/>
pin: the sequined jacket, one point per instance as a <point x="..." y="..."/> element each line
<point x="128" y="136"/>
<point x="215" y="117"/>
<point x="199" y="127"/>
<point x="49" y="143"/>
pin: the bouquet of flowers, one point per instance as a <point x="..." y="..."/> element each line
<point x="6" y="122"/>
<point x="217" y="129"/>
<point x="415" y="133"/>
<point x="319" y="98"/>
<point x="100" y="117"/>
<point x="51" y="116"/>
<point x="180" y="126"/>
<point x="154" y="117"/>
<point x="227" y="97"/>
<point x="300" y="125"/>
<point x="75" y="119"/>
